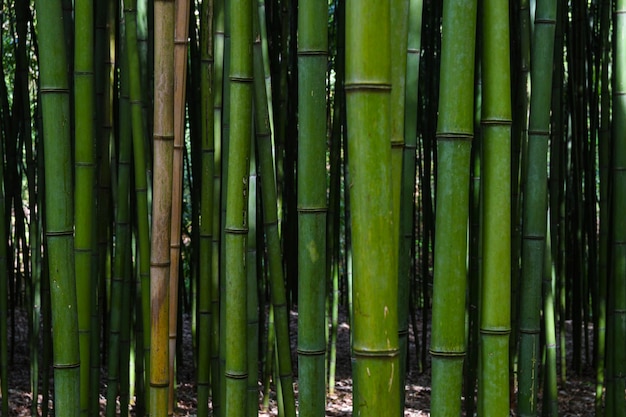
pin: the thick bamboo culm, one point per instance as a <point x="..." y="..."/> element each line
<point x="312" y="206"/>
<point x="495" y="285"/>
<point x="163" y="143"/>
<point x="55" y="107"/>
<point x="236" y="222"/>
<point x="374" y="234"/>
<point x="181" y="43"/>
<point x="455" y="131"/>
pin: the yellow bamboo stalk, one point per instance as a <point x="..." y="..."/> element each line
<point x="180" y="80"/>
<point x="163" y="140"/>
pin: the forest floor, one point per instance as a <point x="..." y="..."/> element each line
<point x="576" y="394"/>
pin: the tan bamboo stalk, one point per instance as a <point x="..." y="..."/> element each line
<point x="180" y="81"/>
<point x="163" y="141"/>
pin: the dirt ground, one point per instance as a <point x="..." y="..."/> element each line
<point x="576" y="394"/>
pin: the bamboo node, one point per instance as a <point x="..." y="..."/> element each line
<point x="312" y="210"/>
<point x="236" y="375"/>
<point x="496" y="122"/>
<point x="455" y="136"/>
<point x="495" y="332"/>
<point x="388" y="353"/>
<point x="66" y="365"/>
<point x="236" y="230"/>
<point x="318" y="352"/>
<point x="447" y="355"/>
<point x="356" y="86"/>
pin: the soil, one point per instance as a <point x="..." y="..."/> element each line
<point x="576" y="394"/>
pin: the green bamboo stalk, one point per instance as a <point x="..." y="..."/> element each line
<point x="224" y="136"/>
<point x="102" y="222"/>
<point x="121" y="249"/>
<point x="268" y="364"/>
<point x="399" y="41"/>
<point x="140" y="174"/>
<point x="534" y="207"/>
<point x="407" y="226"/>
<point x="616" y="374"/>
<point x="46" y="320"/>
<point x="333" y="227"/>
<point x="519" y="148"/>
<point x="206" y="207"/>
<point x="495" y="319"/>
<point x="163" y="142"/>
<point x="455" y="129"/>
<point x="374" y="232"/>
<point x="270" y="225"/>
<point x="236" y="222"/>
<point x="560" y="126"/>
<point x="85" y="171"/>
<point x="59" y="205"/>
<point x="555" y="243"/>
<point x="312" y="206"/>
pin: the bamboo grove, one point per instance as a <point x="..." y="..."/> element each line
<point x="446" y="176"/>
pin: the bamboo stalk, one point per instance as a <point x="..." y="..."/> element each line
<point x="216" y="241"/>
<point x="85" y="171"/>
<point x="534" y="206"/>
<point x="312" y="205"/>
<point x="236" y="222"/>
<point x="407" y="219"/>
<point x="59" y="212"/>
<point x="455" y="128"/>
<point x="495" y="309"/>
<point x="270" y="225"/>
<point x="181" y="35"/>
<point x="140" y="174"/>
<point x="163" y="142"/>
<point x="121" y="250"/>
<point x="374" y="231"/>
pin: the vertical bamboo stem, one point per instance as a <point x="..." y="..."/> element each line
<point x="180" y="81"/>
<point x="374" y="233"/>
<point x="163" y="140"/>
<point x="59" y="213"/>
<point x="495" y="320"/>
<point x="236" y="222"/>
<point x="312" y="206"/>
